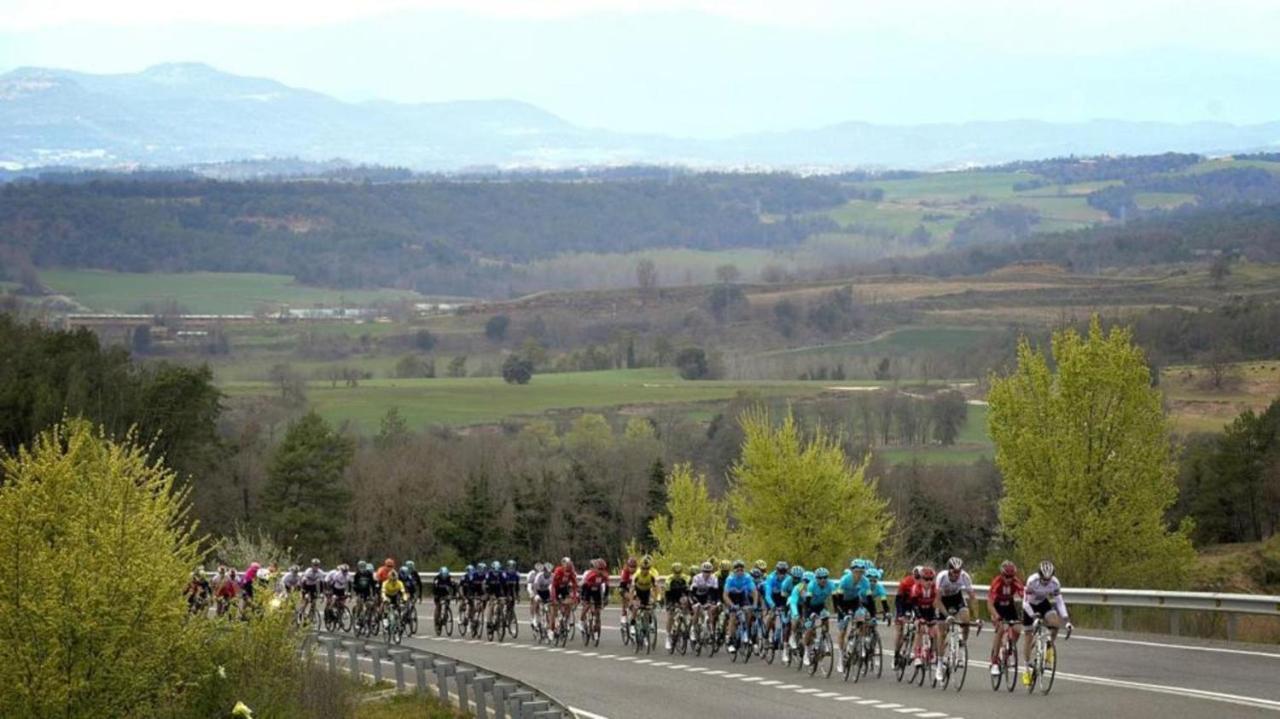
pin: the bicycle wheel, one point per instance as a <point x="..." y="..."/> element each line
<point x="411" y="626"/>
<point x="1011" y="665"/>
<point x="344" y="619"/>
<point x="826" y="655"/>
<point x="874" y="663"/>
<point x="852" y="656"/>
<point x="1048" y="670"/>
<point x="513" y="624"/>
<point x="683" y="641"/>
<point x="960" y="666"/>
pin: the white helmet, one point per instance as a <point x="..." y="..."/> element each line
<point x="1046" y="569"/>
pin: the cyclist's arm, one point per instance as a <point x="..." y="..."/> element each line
<point x="1061" y="606"/>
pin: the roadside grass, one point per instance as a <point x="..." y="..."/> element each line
<point x="203" y="292"/>
<point x="408" y="705"/>
<point x="476" y="400"/>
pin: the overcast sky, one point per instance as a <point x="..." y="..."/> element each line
<point x="705" y="67"/>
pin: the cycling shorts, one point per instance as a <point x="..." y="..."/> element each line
<point x="901" y="607"/>
<point x="310" y="591"/>
<point x="643" y="595"/>
<point x="739" y="599"/>
<point x="1007" y="612"/>
<point x="1037" y="610"/>
<point x="953" y="603"/>
<point x="928" y="614"/>
<point x="563" y="592"/>
<point x="544" y="595"/>
<point x="593" y="595"/>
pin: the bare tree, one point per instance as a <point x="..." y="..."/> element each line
<point x="646" y="275"/>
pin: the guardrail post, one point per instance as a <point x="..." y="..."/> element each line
<point x="534" y="708"/>
<point x="398" y="657"/>
<point x="353" y="658"/>
<point x="330" y="645"/>
<point x="444" y="670"/>
<point x="420" y="666"/>
<point x="463" y="678"/>
<point x="548" y="714"/>
<point x="1175" y="622"/>
<point x="1117" y="618"/>
<point x="1233" y="626"/>
<point x="516" y="701"/>
<point x="482" y="685"/>
<point x="377" y="652"/>
<point x="501" y="691"/>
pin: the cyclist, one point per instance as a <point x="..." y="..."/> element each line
<point x="955" y="589"/>
<point x="718" y="592"/>
<point x="739" y="594"/>
<point x="311" y="581"/>
<point x="409" y="575"/>
<point x="539" y="591"/>
<point x="247" y="579"/>
<point x="1042" y="598"/>
<point x="594" y="584"/>
<point x="511" y="584"/>
<point x="924" y="600"/>
<point x="336" y="582"/>
<point x="642" y="585"/>
<point x="849" y="590"/>
<point x="393" y="590"/>
<point x="290" y="580"/>
<point x="675" y="595"/>
<point x="363" y="585"/>
<point x="197" y="591"/>
<point x="902" y="606"/>
<point x="226" y="588"/>
<point x="493" y="592"/>
<point x="775" y="590"/>
<point x="809" y="601"/>
<point x="1003" y="599"/>
<point x="443" y="589"/>
<point x="624" y="589"/>
<point x="471" y="586"/>
<point x="704" y="588"/>
<point x="875" y="591"/>
<point x="388" y="567"/>
<point x="564" y="590"/>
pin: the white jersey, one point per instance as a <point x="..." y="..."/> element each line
<point x="1039" y="591"/>
<point x="703" y="583"/>
<point x="949" y="588"/>
<point x="312" y="577"/>
<point x="337" y="580"/>
<point x="541" y="582"/>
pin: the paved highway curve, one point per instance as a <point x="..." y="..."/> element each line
<point x="1100" y="675"/>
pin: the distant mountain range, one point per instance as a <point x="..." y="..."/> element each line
<point x="185" y="114"/>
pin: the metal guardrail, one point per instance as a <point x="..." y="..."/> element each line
<point x="466" y="685"/>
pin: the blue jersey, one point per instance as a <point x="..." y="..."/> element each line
<point x="816" y="595"/>
<point x="853" y="589"/>
<point x="793" y="599"/>
<point x="875" y="591"/>
<point x="740" y="588"/>
<point x="776" y="589"/>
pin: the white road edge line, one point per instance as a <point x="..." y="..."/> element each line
<point x="585" y="714"/>
<point x="1187" y="647"/>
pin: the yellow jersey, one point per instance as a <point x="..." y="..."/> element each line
<point x="392" y="587"/>
<point x="645" y="579"/>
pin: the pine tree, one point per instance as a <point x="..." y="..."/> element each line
<point x="532" y="505"/>
<point x="593" y="520"/>
<point x="471" y="528"/>
<point x="305" y="496"/>
<point x="656" y="498"/>
<point x="1087" y="462"/>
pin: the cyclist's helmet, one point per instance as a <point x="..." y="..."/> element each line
<point x="315" y="562"/>
<point x="1008" y="568"/>
<point x="295" y="569"/>
<point x="797" y="572"/>
<point x="389" y="563"/>
<point x="756" y="573"/>
<point x="444" y="572"/>
<point x="781" y="566"/>
<point x="954" y="564"/>
<point x="739" y="564"/>
<point x="598" y="564"/>
<point x="927" y="574"/>
<point x="470" y="568"/>
<point x="874" y="574"/>
<point x="566" y="562"/>
<point x="808" y="577"/>
<point x="631" y="562"/>
<point x="760" y="564"/>
<point x="511" y="564"/>
<point x="725" y="565"/>
<point x="645" y="561"/>
<point x="821" y="573"/>
<point x="915" y="572"/>
<point x="676" y="567"/>
<point x="1046" y="569"/>
<point x="409" y="565"/>
<point x="707" y="567"/>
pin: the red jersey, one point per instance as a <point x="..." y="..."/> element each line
<point x="1005" y="591"/>
<point x="564" y="577"/>
<point x="625" y="577"/>
<point x="905" y="586"/>
<point x="594" y="578"/>
<point x="227" y="588"/>
<point x="923" y="594"/>
<point x="381" y="574"/>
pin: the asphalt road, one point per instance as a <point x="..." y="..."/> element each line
<point x="1099" y="675"/>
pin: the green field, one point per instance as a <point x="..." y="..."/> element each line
<point x="952" y="186"/>
<point x="202" y="292"/>
<point x="1162" y="200"/>
<point x="474" y="400"/>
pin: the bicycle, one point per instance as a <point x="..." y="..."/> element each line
<point x="1043" y="661"/>
<point x="955" y="655"/>
<point x="591" y="626"/>
<point x="927" y="653"/>
<point x="393" y="623"/>
<point x="679" y="632"/>
<point x="307" y="615"/>
<point x="902" y="655"/>
<point x="1007" y="659"/>
<point x="778" y="637"/>
<point x="564" y="623"/>
<point x="744" y="638"/>
<point x="822" y="647"/>
<point x="337" y="615"/>
<point x="646" y="631"/>
<point x="444" y="617"/>
<point x="863" y="654"/>
<point x="411" y="615"/>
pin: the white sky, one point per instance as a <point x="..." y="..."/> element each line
<point x="701" y="66"/>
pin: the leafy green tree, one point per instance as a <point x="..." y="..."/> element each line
<point x="393" y="430"/>
<point x="140" y="339"/>
<point x="470" y="526"/>
<point x="655" y="498"/>
<point x="424" y="340"/>
<point x="1087" y="462"/>
<point x="305" y="497"/>
<point x="495" y="328"/>
<point x="832" y="511"/>
<point x="76" y="508"/>
<point x="592" y="517"/>
<point x="692" y="363"/>
<point x="458" y="366"/>
<point x="1236" y="490"/>
<point x="693" y="526"/>
<point x="532" y="506"/>
<point x="517" y="369"/>
<point x="949" y="411"/>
